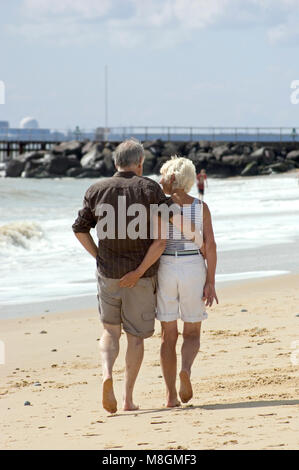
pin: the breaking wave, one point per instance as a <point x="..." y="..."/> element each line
<point x="20" y="234"/>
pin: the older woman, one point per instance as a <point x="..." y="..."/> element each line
<point x="186" y="283"/>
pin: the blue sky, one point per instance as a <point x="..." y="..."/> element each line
<point x="171" y="62"/>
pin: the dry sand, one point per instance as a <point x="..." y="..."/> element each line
<point x="246" y="388"/>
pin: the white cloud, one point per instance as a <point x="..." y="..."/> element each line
<point x="84" y="8"/>
<point x="199" y="13"/>
<point x="161" y="23"/>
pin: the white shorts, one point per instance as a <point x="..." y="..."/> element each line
<point x="181" y="280"/>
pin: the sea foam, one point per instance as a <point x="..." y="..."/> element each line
<point x="19" y="234"/>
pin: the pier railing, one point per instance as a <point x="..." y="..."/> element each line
<point x="166" y="133"/>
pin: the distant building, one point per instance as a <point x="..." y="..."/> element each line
<point x="4" y="125"/>
<point x="29" y="123"/>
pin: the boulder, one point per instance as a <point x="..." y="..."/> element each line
<point x="68" y="148"/>
<point x="27" y="156"/>
<point x="281" y="167"/>
<point x="293" y="155"/>
<point x="89" y="173"/>
<point x="149" y="162"/>
<point x="205" y="156"/>
<point x="14" y="168"/>
<point x="233" y="160"/>
<point x="159" y="162"/>
<point x="34" y="168"/>
<point x="251" y="169"/>
<point x="204" y="146"/>
<point x="90" y="158"/>
<point x="57" y="164"/>
<point x="220" y="151"/>
<point x="241" y="149"/>
<point x="73" y="162"/>
<point x="108" y="161"/>
<point x="100" y="167"/>
<point x="110" y="146"/>
<point x="170" y="149"/>
<point x="88" y="146"/>
<point x="263" y="155"/>
<point x="218" y="169"/>
<point x="74" y="172"/>
<point x="147" y="145"/>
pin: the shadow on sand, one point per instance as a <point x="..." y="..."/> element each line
<point x="216" y="406"/>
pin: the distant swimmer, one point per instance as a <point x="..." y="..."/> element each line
<point x="202" y="180"/>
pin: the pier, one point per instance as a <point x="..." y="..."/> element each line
<point x="16" y="141"/>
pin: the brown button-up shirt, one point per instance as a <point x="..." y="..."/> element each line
<point x="120" y="255"/>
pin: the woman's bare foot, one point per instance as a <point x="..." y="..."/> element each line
<point x="129" y="406"/>
<point x="109" y="401"/>
<point x="186" y="392"/>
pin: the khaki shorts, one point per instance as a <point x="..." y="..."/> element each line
<point x="134" y="307"/>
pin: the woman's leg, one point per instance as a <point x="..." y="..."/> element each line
<point x="190" y="348"/>
<point x="169" y="336"/>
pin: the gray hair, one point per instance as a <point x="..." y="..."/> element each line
<point x="128" y="153"/>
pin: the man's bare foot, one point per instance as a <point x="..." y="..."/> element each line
<point x="186" y="392"/>
<point x="129" y="406"/>
<point x="173" y="403"/>
<point x="109" y="401"/>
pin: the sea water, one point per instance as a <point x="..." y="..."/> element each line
<point x="40" y="258"/>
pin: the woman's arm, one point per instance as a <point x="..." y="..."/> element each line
<point x="152" y="255"/>
<point x="209" y="293"/>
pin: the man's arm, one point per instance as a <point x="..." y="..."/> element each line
<point x="83" y="224"/>
<point x="88" y="243"/>
<point x="209" y="293"/>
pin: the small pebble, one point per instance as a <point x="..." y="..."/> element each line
<point x="297" y="315"/>
<point x="244" y="310"/>
<point x="43" y="332"/>
<point x="54" y="350"/>
<point x="37" y="384"/>
<point x="27" y="403"/>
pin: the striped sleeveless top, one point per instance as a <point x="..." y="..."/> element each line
<point x="175" y="239"/>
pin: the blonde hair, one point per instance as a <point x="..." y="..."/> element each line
<point x="183" y="170"/>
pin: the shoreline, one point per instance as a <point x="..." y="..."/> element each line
<point x="245" y="384"/>
<point x="89" y="301"/>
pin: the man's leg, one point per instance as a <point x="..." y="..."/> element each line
<point x="169" y="360"/>
<point x="109" y="347"/>
<point x="134" y="357"/>
<point x="190" y="348"/>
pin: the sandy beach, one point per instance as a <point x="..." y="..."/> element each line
<point x="246" y="384"/>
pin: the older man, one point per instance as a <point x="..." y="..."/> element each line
<point x="126" y="295"/>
